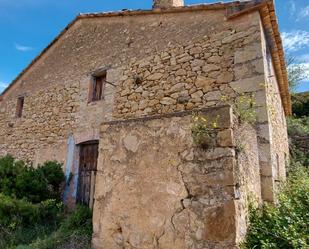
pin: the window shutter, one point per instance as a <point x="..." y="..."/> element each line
<point x="20" y="106"/>
<point x="96" y="88"/>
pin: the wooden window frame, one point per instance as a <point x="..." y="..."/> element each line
<point x="97" y="87"/>
<point x="20" y="106"/>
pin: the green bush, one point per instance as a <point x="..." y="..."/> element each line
<point x="14" y="212"/>
<point x="51" y="211"/>
<point x="80" y="219"/>
<point x="30" y="206"/>
<point x="24" y="235"/>
<point x="300" y="157"/>
<point x="300" y="104"/>
<point x="42" y="225"/>
<point x="285" y="225"/>
<point x="54" y="176"/>
<point x="20" y="212"/>
<point x="75" y="230"/>
<point x="9" y="170"/>
<point x="34" y="184"/>
<point x="30" y="183"/>
<point x="298" y="126"/>
<point x="22" y="221"/>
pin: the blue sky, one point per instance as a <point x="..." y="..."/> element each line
<point x="28" y="26"/>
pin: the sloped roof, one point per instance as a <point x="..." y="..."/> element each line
<point x="233" y="10"/>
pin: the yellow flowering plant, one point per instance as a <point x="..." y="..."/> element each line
<point x="244" y="107"/>
<point x="203" y="130"/>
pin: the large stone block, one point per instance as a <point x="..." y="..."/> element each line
<point x="204" y="83"/>
<point x="220" y="223"/>
<point x="226" y="138"/>
<point x="264" y="152"/>
<point x="264" y="132"/>
<point x="260" y="98"/>
<point x="213" y="96"/>
<point x="233" y="37"/>
<point x="131" y="143"/>
<point x="218" y="153"/>
<point x="113" y="75"/>
<point x="222" y="117"/>
<point x="242" y="71"/>
<point x="253" y="84"/>
<point x="248" y="53"/>
<point x="268" y="188"/>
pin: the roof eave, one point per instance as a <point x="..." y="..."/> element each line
<point x="266" y="9"/>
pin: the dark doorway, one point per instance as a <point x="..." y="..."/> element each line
<point x="88" y="157"/>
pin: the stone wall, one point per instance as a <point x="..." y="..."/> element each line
<point x="153" y="67"/>
<point x="153" y="194"/>
<point x="180" y="69"/>
<point x="248" y="174"/>
<point x="272" y="129"/>
<point x="197" y="74"/>
<point x="155" y="188"/>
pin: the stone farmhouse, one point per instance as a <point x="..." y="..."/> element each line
<point x="112" y="98"/>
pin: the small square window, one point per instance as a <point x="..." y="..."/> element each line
<point x="97" y="87"/>
<point x="20" y="107"/>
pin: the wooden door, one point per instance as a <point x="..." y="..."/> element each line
<point x="87" y="173"/>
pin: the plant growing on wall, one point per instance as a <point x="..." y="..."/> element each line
<point x="203" y="131"/>
<point x="244" y="107"/>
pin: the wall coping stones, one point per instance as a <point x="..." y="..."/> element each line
<point x="224" y="120"/>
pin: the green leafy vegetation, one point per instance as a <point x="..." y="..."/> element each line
<point x="298" y="129"/>
<point x="74" y="232"/>
<point x="203" y="131"/>
<point x="35" y="184"/>
<point x="31" y="212"/>
<point x="298" y="126"/>
<point x="300" y="104"/>
<point x="301" y="155"/>
<point x="244" y="107"/>
<point x="296" y="72"/>
<point x="286" y="224"/>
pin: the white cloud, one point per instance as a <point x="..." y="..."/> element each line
<point x="296" y="12"/>
<point x="23" y="48"/>
<point x="304" y="58"/>
<point x="292" y="8"/>
<point x="303" y="62"/>
<point x="3" y="85"/>
<point x="295" y="40"/>
<point x="304" y="13"/>
<point x="306" y="68"/>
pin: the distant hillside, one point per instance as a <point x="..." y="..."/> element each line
<point x="300" y="104"/>
<point x="298" y="127"/>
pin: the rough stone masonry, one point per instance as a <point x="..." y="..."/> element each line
<point x="131" y="81"/>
